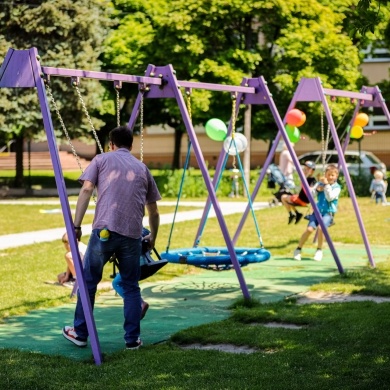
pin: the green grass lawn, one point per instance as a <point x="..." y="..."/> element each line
<point x="339" y="346"/>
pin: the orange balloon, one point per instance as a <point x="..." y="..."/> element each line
<point x="361" y="120"/>
<point x="294" y="117"/>
<point x="356" y="132"/>
<point x="303" y="120"/>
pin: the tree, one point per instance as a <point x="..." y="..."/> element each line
<point x="222" y="41"/>
<point x="67" y="34"/>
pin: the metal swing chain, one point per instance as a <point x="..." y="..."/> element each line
<point x="49" y="92"/>
<point x="234" y="98"/>
<point x="88" y="117"/>
<point x="141" y="124"/>
<point x="188" y="101"/>
<point x="118" y="107"/>
<point x="324" y="144"/>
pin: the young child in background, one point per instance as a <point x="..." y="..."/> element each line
<point x="328" y="191"/>
<point x="301" y="199"/>
<point x="378" y="188"/>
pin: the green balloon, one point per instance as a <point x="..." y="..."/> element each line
<point x="293" y="133"/>
<point x="216" y="129"/>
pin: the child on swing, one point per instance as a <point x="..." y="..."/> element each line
<point x="291" y="201"/>
<point x="328" y="191"/>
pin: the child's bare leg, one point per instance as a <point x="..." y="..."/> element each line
<point x="69" y="262"/>
<point x="305" y="236"/>
<point x="320" y="238"/>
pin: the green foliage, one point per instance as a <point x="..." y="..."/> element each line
<point x="67" y="34"/>
<point x="223" y="41"/>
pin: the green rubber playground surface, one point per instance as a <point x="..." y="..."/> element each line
<point x="180" y="303"/>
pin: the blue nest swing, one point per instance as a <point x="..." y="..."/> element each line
<point x="217" y="258"/>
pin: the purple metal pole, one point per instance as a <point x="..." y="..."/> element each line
<point x="65" y="206"/>
<point x="21" y="69"/>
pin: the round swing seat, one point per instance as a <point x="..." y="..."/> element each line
<point x="219" y="257"/>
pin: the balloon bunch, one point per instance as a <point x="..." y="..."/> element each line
<point x="360" y="121"/>
<point x="217" y="131"/>
<point x="294" y="118"/>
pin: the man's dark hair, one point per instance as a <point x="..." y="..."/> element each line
<point x="121" y="137"/>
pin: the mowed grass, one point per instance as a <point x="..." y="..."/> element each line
<point x="336" y="346"/>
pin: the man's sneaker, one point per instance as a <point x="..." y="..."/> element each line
<point x="69" y="333"/>
<point x="318" y="255"/>
<point x="297" y="254"/>
<point x="298" y="217"/>
<point x="145" y="307"/>
<point x="291" y="218"/>
<point x="134" y="345"/>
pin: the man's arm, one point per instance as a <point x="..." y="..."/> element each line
<point x="154" y="223"/>
<point x="82" y="204"/>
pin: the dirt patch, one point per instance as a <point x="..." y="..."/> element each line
<point x="326" y="297"/>
<point x="221" y="347"/>
<point x="281" y="325"/>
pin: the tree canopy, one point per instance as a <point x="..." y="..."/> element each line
<point x="222" y="41"/>
<point x="67" y="34"/>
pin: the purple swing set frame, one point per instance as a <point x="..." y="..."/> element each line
<point x="22" y="69"/>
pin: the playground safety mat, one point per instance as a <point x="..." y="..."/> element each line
<point x="180" y="303"/>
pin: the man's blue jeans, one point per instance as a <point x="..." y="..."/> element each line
<point x="128" y="251"/>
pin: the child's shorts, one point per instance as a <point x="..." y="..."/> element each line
<point x="327" y="218"/>
<point x="297" y="201"/>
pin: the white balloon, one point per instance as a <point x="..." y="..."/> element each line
<point x="240" y="143"/>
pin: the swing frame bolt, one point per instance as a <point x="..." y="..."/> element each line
<point x="152" y="74"/>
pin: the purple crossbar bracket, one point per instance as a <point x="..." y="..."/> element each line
<point x="22" y="69"/>
<point x="267" y="99"/>
<point x="171" y="89"/>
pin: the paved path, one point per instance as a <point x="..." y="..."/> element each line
<point x="28" y="238"/>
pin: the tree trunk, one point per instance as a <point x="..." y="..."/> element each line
<point x="176" y="163"/>
<point x="19" y="177"/>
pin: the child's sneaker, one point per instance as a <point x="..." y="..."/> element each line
<point x="298" y="217"/>
<point x="134" y="345"/>
<point x="69" y="333"/>
<point x="297" y="254"/>
<point x="318" y="255"/>
<point x="291" y="218"/>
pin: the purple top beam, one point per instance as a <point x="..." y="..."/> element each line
<point x="216" y="87"/>
<point x="100" y="75"/>
<point x="348" y="94"/>
<point x="141" y="79"/>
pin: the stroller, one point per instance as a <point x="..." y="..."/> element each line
<point x="275" y="177"/>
